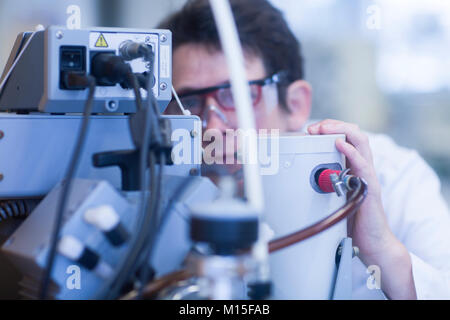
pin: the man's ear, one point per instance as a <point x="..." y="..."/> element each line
<point x="298" y="102"/>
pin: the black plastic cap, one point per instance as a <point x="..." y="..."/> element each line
<point x="259" y="290"/>
<point x="225" y="235"/>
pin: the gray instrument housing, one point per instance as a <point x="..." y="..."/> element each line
<point x="33" y="71"/>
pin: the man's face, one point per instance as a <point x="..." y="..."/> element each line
<point x="197" y="67"/>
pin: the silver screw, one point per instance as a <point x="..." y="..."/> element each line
<point x="193" y="133"/>
<point x="163" y="38"/>
<point x="112" y="104"/>
<point x="59" y="34"/>
<point x="147" y="39"/>
<point x="163" y="86"/>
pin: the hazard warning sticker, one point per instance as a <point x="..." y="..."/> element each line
<point x="101" y="42"/>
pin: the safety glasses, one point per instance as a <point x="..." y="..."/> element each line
<point x="195" y="101"/>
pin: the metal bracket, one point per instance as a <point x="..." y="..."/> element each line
<point x="343" y="284"/>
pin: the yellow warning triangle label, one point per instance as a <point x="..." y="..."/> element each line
<point x="101" y="42"/>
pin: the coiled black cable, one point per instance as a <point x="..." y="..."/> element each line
<point x="17" y="208"/>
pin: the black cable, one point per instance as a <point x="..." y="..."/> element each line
<point x="17" y="208"/>
<point x="151" y="223"/>
<point x="154" y="222"/>
<point x="147" y="52"/>
<point x="137" y="93"/>
<point x="128" y="268"/>
<point x="90" y="83"/>
<point x="148" y="213"/>
<point x="155" y="187"/>
<point x="177" y="195"/>
<point x="128" y="264"/>
<point x="137" y="254"/>
<point x="114" y="284"/>
<point x="152" y="104"/>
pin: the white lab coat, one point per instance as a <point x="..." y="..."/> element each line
<point x="418" y="216"/>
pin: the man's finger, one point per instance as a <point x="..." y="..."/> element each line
<point x="357" y="161"/>
<point x="354" y="136"/>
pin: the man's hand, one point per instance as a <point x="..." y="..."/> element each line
<point x="369" y="228"/>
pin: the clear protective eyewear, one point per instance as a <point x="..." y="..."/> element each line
<point x="196" y="101"/>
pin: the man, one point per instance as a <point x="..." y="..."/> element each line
<point x="403" y="226"/>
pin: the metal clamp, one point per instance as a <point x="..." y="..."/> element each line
<point x="340" y="184"/>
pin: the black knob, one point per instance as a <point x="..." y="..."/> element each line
<point x="127" y="161"/>
<point x="224" y="235"/>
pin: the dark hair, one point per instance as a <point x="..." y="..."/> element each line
<point x="262" y="31"/>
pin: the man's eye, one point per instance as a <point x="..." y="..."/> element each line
<point x="192" y="103"/>
<point x="254" y="92"/>
<point x="226" y="97"/>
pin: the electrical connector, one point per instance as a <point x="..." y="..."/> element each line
<point x="333" y="181"/>
<point x="109" y="69"/>
<point x="76" y="80"/>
